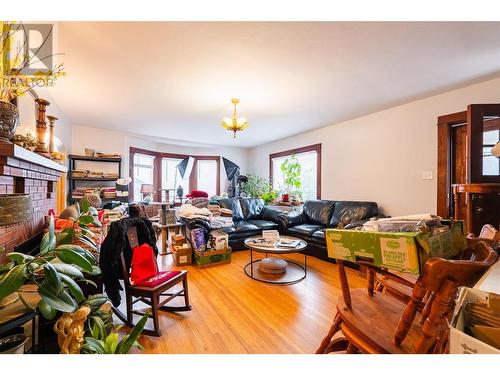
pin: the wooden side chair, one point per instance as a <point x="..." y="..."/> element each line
<point x="155" y="296"/>
<point x="377" y="322"/>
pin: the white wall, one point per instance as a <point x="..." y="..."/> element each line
<point x="110" y="141"/>
<point x="381" y="156"/>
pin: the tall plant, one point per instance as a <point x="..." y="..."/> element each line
<point x="56" y="270"/>
<point x="291" y="170"/>
<point x="258" y="187"/>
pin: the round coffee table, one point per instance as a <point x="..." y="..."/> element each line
<point x="294" y="273"/>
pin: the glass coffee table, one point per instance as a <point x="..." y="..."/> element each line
<point x="289" y="272"/>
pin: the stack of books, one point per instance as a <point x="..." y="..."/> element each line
<point x="109" y="192"/>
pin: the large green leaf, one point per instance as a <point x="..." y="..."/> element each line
<point x="13" y="280"/>
<point x="93" y="346"/>
<point x="128" y="341"/>
<point x="111" y="343"/>
<point x="80" y="250"/>
<point x="88" y="241"/>
<point x="46" y="310"/>
<point x="73" y="287"/>
<point x="68" y="255"/>
<point x="49" y="239"/>
<point x="61" y="301"/>
<point x="86" y="219"/>
<point x="19" y="257"/>
<point x="85" y="205"/>
<point x="69" y="270"/>
<point x="6" y="267"/>
<point x="66" y="236"/>
<point x="52" y="278"/>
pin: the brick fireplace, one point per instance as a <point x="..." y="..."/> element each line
<point x="23" y="171"/>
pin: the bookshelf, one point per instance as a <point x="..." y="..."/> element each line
<point x="91" y="182"/>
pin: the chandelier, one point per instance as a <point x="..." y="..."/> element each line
<point x="235" y="124"/>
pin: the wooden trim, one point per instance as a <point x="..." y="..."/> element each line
<point x="475" y="114"/>
<point x="193" y="183"/>
<point x="316" y="147"/>
<point x="453" y="118"/>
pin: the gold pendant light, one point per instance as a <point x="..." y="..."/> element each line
<point x="235" y="124"/>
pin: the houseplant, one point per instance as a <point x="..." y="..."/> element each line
<point x="258" y="187"/>
<point x="13" y="81"/>
<point x="291" y="170"/>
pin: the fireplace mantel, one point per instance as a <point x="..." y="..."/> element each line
<point x="23" y="171"/>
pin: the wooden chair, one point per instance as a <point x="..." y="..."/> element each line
<point x="376" y="322"/>
<point x="151" y="296"/>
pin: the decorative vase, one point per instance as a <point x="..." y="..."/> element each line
<point x="51" y="119"/>
<point x="9" y="118"/>
<point x="41" y="127"/>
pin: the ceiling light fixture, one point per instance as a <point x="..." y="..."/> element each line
<point x="235" y="124"/>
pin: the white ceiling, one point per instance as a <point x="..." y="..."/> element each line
<point x="174" y="80"/>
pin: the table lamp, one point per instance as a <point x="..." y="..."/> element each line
<point x="147" y="191"/>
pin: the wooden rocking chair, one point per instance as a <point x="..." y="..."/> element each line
<point x="376" y="322"/>
<point x="151" y="295"/>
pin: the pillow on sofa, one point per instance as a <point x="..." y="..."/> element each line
<point x="252" y="208"/>
<point x="234" y="205"/>
<point x="346" y="212"/>
<point x="318" y="211"/>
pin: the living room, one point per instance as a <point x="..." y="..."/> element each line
<point x="250" y="187"/>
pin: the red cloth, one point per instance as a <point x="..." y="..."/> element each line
<point x="145" y="270"/>
<point x="197" y="194"/>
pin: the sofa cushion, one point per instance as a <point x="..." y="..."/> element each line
<point x="319" y="235"/>
<point x="304" y="229"/>
<point x="318" y="211"/>
<point x="252" y="208"/>
<point x="244" y="226"/>
<point x="346" y="212"/>
<point x="264" y="224"/>
<point x="234" y="205"/>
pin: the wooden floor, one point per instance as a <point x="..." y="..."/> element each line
<point x="235" y="314"/>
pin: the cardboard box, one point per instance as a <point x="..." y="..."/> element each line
<point x="218" y="240"/>
<point x="399" y="251"/>
<point x="183" y="255"/>
<point x="178" y="239"/>
<point x="461" y="342"/>
<point x="213" y="257"/>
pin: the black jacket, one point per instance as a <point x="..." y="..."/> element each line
<point x="117" y="242"/>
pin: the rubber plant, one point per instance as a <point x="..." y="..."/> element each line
<point x="291" y="170"/>
<point x="56" y="270"/>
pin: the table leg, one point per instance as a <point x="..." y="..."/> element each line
<point x="305" y="265"/>
<point x="251" y="263"/>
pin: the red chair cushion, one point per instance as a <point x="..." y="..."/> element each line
<point x="145" y="270"/>
<point x="143" y="264"/>
<point x="159" y="278"/>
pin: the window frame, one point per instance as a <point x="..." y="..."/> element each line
<point x="157" y="174"/>
<point x="315" y="147"/>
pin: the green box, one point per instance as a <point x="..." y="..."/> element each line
<point x="212" y="258"/>
<point x="399" y="251"/>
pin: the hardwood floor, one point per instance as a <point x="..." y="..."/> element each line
<point x="235" y="314"/>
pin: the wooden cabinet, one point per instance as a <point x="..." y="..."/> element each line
<point x="468" y="175"/>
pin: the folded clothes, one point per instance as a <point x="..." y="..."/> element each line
<point x="189" y="211"/>
<point x="199" y="202"/>
<point x="214" y="209"/>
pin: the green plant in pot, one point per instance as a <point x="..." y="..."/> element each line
<point x="258" y="187"/>
<point x="291" y="170"/>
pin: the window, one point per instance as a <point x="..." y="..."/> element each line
<point x="171" y="178"/>
<point x="160" y="170"/>
<point x="309" y="158"/>
<point x="491" y="164"/>
<point x="143" y="172"/>
<point x="207" y="176"/>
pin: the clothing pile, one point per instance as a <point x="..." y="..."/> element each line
<point x="214" y="209"/>
<point x="200" y="202"/>
<point x="189" y="211"/>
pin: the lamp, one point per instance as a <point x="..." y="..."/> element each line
<point x="147" y="191"/>
<point x="235" y="124"/>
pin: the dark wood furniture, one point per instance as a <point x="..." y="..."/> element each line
<point x="464" y="143"/>
<point x="96" y="182"/>
<point x="402" y="328"/>
<point x="482" y="204"/>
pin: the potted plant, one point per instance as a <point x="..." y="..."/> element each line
<point x="13" y="81"/>
<point x="291" y="170"/>
<point x="258" y="187"/>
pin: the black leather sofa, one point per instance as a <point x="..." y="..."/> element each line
<point x="315" y="216"/>
<point x="250" y="217"/>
